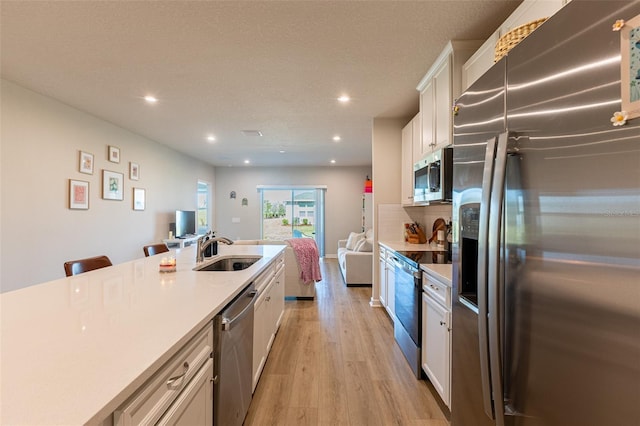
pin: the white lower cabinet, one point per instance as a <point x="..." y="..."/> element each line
<point x="391" y="288"/>
<point x="382" y="265"/>
<point x="436" y="336"/>
<point x="268" y="312"/>
<point x="181" y="390"/>
<point x="387" y="281"/>
<point x="194" y="406"/>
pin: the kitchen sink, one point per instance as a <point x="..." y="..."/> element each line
<point x="228" y="263"/>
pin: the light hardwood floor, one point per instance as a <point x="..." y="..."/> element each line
<point x="335" y="362"/>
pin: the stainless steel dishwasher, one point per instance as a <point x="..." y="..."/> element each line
<point x="233" y="363"/>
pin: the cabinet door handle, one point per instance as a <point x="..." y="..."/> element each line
<point x="179" y="376"/>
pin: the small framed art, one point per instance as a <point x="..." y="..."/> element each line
<point x="78" y="195"/>
<point x="114" y="154"/>
<point x="86" y="163"/>
<point x="112" y="185"/>
<point x="134" y="171"/>
<point x="630" y="66"/>
<point x="138" y="198"/>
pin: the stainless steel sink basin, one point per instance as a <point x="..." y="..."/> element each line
<point x="228" y="263"/>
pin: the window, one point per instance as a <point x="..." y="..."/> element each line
<point x="203" y="212"/>
<point x="293" y="212"/>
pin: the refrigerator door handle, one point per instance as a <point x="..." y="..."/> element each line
<point x="493" y="276"/>
<point x="483" y="231"/>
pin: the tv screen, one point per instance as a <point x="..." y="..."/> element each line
<point x="185" y="223"/>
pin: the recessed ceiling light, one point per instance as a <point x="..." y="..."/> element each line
<point x="211" y="138"/>
<point x="246" y="161"/>
<point x="344" y="98"/>
<point x="333" y="161"/>
<point x="337" y="138"/>
<point x="150" y="99"/>
<point x="282" y="151"/>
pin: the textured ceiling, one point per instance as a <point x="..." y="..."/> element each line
<point x="221" y="67"/>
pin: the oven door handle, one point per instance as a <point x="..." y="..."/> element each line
<point x="397" y="264"/>
<point x="415" y="273"/>
<point x="400" y="265"/>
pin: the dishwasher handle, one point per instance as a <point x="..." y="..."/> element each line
<point x="227" y="323"/>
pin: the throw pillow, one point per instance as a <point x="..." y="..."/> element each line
<point x="365" y="245"/>
<point x="353" y="240"/>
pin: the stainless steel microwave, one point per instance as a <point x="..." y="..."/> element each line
<point x="433" y="176"/>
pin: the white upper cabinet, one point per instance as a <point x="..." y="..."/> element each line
<point x="531" y="10"/>
<point x="483" y="59"/>
<point x="426" y="139"/>
<point x="417" y="138"/>
<point x="410" y="132"/>
<point x="480" y="61"/>
<point x="444" y="103"/>
<point x="438" y="88"/>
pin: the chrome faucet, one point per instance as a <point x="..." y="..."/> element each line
<point x="202" y="244"/>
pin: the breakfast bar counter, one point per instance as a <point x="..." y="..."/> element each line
<point x="73" y="349"/>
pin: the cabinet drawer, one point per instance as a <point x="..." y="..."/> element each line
<point x="194" y="406"/>
<point x="151" y="401"/>
<point x="437" y="290"/>
<point x="279" y="263"/>
<point x="382" y="254"/>
<point x="265" y="277"/>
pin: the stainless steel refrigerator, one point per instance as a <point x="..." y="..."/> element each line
<point x="546" y="242"/>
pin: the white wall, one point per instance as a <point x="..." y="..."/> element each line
<point x="392" y="217"/>
<point x="343" y="199"/>
<point x="387" y="164"/>
<point x="40" y="143"/>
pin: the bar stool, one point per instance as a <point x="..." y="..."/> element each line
<point x="152" y="249"/>
<point x="75" y="267"/>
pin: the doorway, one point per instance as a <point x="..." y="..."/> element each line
<point x="293" y="212"/>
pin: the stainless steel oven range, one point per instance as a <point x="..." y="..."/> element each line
<point x="407" y="327"/>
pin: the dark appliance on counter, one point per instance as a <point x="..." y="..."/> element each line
<point x="407" y="326"/>
<point x="546" y="202"/>
<point x="432" y="177"/>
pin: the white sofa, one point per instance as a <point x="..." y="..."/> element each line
<point x="293" y="285"/>
<point x="355" y="258"/>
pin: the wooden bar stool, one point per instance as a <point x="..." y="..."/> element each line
<point x="75" y="267"/>
<point x="152" y="249"/>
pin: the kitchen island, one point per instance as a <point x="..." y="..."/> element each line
<point x="74" y="349"/>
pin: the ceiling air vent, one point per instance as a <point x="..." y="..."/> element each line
<point x="252" y="132"/>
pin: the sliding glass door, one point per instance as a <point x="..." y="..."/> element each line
<point x="293" y="212"/>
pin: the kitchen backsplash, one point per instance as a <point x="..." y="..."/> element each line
<point x="392" y="217"/>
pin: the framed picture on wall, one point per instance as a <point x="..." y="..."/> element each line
<point x="86" y="163"/>
<point x="112" y="185"/>
<point x="630" y="66"/>
<point x="114" y="154"/>
<point x="134" y="171"/>
<point x="138" y="198"/>
<point x="78" y="195"/>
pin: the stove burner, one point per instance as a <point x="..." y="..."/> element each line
<point x="419" y="257"/>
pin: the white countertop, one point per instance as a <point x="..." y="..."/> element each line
<point x="405" y="246"/>
<point x="442" y="272"/>
<point x="73" y="349"/>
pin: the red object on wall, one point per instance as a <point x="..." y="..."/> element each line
<point x="368" y="185"/>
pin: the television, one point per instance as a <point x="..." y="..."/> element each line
<point x="185" y="223"/>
